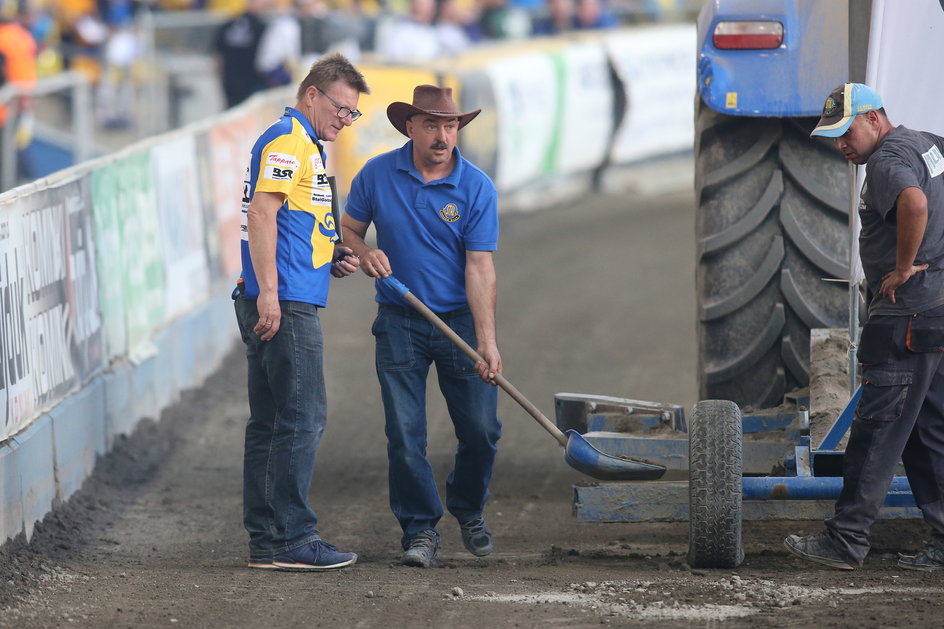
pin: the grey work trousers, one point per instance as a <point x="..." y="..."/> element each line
<point x="899" y="417"/>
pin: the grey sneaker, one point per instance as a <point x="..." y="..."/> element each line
<point x="420" y="550"/>
<point x="819" y="549"/>
<point x="932" y="558"/>
<point x="477" y="537"/>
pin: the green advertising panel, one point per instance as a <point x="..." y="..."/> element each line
<point x="130" y="267"/>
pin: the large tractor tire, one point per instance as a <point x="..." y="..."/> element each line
<point x="771" y="230"/>
<point x="715" y="485"/>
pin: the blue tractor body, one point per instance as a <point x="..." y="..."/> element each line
<point x="792" y="79"/>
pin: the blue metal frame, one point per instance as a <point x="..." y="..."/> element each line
<point x="798" y="494"/>
<point x="842" y="424"/>
<point x="816" y="488"/>
<point x="804" y="485"/>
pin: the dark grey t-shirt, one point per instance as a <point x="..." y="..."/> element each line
<point x="905" y="159"/>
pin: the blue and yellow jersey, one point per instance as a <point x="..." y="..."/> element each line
<point x="287" y="158"/>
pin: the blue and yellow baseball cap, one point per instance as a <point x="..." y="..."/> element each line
<point x="842" y="106"/>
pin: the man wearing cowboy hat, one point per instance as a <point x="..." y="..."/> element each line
<point x="436" y="221"/>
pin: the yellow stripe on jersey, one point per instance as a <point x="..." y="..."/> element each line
<point x="292" y="165"/>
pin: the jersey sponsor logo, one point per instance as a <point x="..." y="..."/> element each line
<point x="328" y="230"/>
<point x="246" y="198"/>
<point x="246" y="188"/>
<point x="244" y="226"/>
<point x="321" y="190"/>
<point x="316" y="163"/>
<point x="278" y="173"/>
<point x="449" y="213"/>
<point x="284" y="160"/>
<point x="934" y="161"/>
<point x="328" y="222"/>
<point x="321" y="197"/>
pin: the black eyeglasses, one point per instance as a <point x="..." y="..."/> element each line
<point x="343" y="112"/>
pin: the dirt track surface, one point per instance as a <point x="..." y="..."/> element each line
<point x="596" y="298"/>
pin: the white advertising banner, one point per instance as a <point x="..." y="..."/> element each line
<point x="526" y="89"/>
<point x="16" y="384"/>
<point x="584" y="128"/>
<point x="905" y="43"/>
<point x="50" y="327"/>
<point x="186" y="272"/>
<point x="657" y="68"/>
<point x="230" y="143"/>
<point x="904" y="38"/>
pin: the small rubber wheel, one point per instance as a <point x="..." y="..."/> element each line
<point x="715" y="487"/>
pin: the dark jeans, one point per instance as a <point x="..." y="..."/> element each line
<point x="899" y="417"/>
<point x="406" y="346"/>
<point x="287" y="417"/>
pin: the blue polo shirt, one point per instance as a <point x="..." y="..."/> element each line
<point x="426" y="228"/>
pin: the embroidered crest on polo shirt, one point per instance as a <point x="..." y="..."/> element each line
<point x="934" y="160"/>
<point x="449" y="213"/>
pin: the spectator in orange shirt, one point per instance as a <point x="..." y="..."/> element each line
<point x="17" y="67"/>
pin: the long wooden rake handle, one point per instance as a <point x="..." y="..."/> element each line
<point x="509" y="388"/>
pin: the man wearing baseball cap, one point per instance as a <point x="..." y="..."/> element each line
<point x="436" y="222"/>
<point x="900" y="415"/>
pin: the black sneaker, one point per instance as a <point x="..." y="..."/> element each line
<point x="318" y="555"/>
<point x="421" y="549"/>
<point x="477" y="537"/>
<point x="819" y="549"/>
<point x="932" y="558"/>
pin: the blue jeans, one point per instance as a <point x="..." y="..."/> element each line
<point x="900" y="416"/>
<point x="287" y="418"/>
<point x="406" y="346"/>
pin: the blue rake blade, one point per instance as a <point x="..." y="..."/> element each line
<point x="583" y="457"/>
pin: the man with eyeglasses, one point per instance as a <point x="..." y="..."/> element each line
<point x="436" y="220"/>
<point x="289" y="253"/>
<point x="343" y="112"/>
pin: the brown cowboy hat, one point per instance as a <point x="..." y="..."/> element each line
<point x="431" y="100"/>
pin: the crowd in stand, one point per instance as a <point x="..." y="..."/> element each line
<point x="264" y="43"/>
<point x="267" y="39"/>
<point x="271" y="37"/>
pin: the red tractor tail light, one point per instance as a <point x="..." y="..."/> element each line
<point x="753" y="35"/>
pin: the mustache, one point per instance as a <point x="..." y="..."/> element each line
<point x="439" y="145"/>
